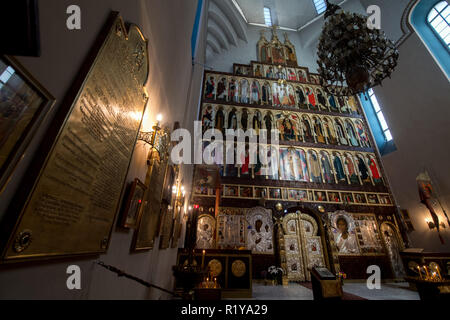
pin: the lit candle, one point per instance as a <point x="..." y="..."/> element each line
<point x="439" y="273"/>
<point x="203" y="259"/>
<point x="426" y="271"/>
<point x="420" y="272"/>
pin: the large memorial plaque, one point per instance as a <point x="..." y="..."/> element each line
<point x="72" y="207"/>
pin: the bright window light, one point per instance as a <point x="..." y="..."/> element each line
<point x="320" y="5"/>
<point x="267" y="17"/>
<point x="380" y="116"/>
<point x="439" y="20"/>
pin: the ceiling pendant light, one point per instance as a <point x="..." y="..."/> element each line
<point x="353" y="57"/>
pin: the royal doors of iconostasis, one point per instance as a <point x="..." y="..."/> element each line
<point x="301" y="246"/>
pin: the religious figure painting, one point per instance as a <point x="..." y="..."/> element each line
<point x="291" y="74"/>
<point x="312" y="103"/>
<point x="257" y="122"/>
<point x="363" y="170"/>
<point x="326" y="167"/>
<point x="255" y="93"/>
<point x="244" y="91"/>
<point x="351" y="133"/>
<point x="207" y="118"/>
<point x="288" y="128"/>
<point x="259" y="231"/>
<point x="219" y="122"/>
<point x="339" y="168"/>
<point x="266" y="94"/>
<point x="372" y="198"/>
<point x="307" y="130"/>
<point x="360" y="198"/>
<point x="297" y="195"/>
<point x="301" y="97"/>
<point x="232" y="120"/>
<point x="351" y="169"/>
<point x="222" y="89"/>
<point x="233" y="91"/>
<point x="340" y="132"/>
<point x="205" y="232"/>
<point x="376" y="176"/>
<point x="301" y="165"/>
<point x="258" y="71"/>
<point x="353" y="105"/>
<point x="329" y="131"/>
<point x="368" y="234"/>
<point x="302" y="76"/>
<point x="347" y="197"/>
<point x="287" y="165"/>
<point x="393" y="246"/>
<point x="270" y="73"/>
<point x="322" y="100"/>
<point x="344" y="233"/>
<point x="334" y="197"/>
<point x="231" y="191"/>
<point x="210" y="88"/>
<point x="246" y="192"/>
<point x="260" y="192"/>
<point x="320" y="196"/>
<point x="332" y="102"/>
<point x="276" y="92"/>
<point x="275" y="193"/>
<point x="318" y="130"/>
<point x="362" y="134"/>
<point x="314" y="167"/>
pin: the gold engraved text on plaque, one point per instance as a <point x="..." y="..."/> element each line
<point x="74" y="201"/>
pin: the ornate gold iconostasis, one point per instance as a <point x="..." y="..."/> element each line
<point x="327" y="196"/>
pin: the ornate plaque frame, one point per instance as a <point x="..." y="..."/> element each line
<point x="72" y="202"/>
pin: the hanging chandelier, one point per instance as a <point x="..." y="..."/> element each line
<point x="352" y="57"/>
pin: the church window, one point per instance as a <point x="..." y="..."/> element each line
<point x="320" y="5"/>
<point x="439" y="20"/>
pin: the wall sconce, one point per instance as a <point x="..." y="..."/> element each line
<point x="432" y="225"/>
<point x="150" y="137"/>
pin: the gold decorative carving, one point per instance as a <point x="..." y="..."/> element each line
<point x="215" y="267"/>
<point x="238" y="268"/>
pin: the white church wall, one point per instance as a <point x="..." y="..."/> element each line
<point x="171" y="70"/>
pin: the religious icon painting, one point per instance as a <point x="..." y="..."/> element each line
<point x="258" y="70"/>
<point x="269" y="72"/>
<point x="321" y="100"/>
<point x="275" y="193"/>
<point x="362" y="134"/>
<point x="363" y="170"/>
<point x="385" y="199"/>
<point x="233" y="90"/>
<point x="205" y="232"/>
<point x="291" y="75"/>
<point x="340" y="132"/>
<point x="311" y="99"/>
<point x="260" y="193"/>
<point x="266" y="94"/>
<point x="339" y="168"/>
<point x="287" y="165"/>
<point x="297" y="195"/>
<point x="210" y="87"/>
<point x="372" y="199"/>
<point x="326" y="167"/>
<point x="374" y="169"/>
<point x="351" y="133"/>
<point x="320" y="196"/>
<point x="207" y="118"/>
<point x="133" y="205"/>
<point x="231" y="191"/>
<point x="314" y="167"/>
<point x="334" y="197"/>
<point x="318" y="130"/>
<point x="332" y="103"/>
<point x="360" y="198"/>
<point x="255" y="91"/>
<point x="221" y="92"/>
<point x="244" y="91"/>
<point x="301" y="97"/>
<point x="302" y="75"/>
<point x="347" y="197"/>
<point x="307" y="129"/>
<point x="246" y="192"/>
<point x="351" y="169"/>
<point x="344" y="232"/>
<point x="24" y="103"/>
<point x="368" y="234"/>
<point x="301" y="172"/>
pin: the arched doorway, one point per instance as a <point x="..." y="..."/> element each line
<point x="302" y="246"/>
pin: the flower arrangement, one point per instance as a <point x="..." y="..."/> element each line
<point x="341" y="276"/>
<point x="275" y="273"/>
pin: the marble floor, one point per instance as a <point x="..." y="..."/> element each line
<point x="388" y="291"/>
